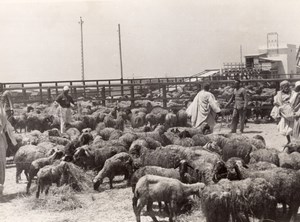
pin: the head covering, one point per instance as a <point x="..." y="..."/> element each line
<point x="297" y="84"/>
<point x="284" y="83"/>
<point x="66" y="88"/>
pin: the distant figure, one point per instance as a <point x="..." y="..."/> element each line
<point x="240" y="99"/>
<point x="286" y="107"/>
<point x="204" y="108"/>
<point x="6" y="135"/>
<point x="65" y="102"/>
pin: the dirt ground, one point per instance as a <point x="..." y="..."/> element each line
<point x="107" y="205"/>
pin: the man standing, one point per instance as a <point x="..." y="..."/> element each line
<point x="240" y="98"/>
<point x="65" y="102"/>
<point x="204" y="108"/>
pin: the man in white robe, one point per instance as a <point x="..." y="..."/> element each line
<point x="204" y="108"/>
<point x="5" y="128"/>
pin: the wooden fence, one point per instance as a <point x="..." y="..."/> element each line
<point x="102" y="91"/>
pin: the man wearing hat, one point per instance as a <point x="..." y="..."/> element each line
<point x="65" y="102"/>
<point x="204" y="108"/>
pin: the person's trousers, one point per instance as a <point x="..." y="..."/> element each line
<point x="238" y="114"/>
<point x="3" y="147"/>
<point x="65" y="117"/>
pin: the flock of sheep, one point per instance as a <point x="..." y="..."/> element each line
<point x="163" y="159"/>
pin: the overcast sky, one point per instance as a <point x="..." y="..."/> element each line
<point x="40" y="40"/>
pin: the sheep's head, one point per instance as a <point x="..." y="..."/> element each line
<point x="213" y="146"/>
<point x="81" y="155"/>
<point x="234" y="166"/>
<point x="261" y="138"/>
<point x="184" y="134"/>
<point x="97" y="181"/>
<point x="85" y="138"/>
<point x="205" y="129"/>
<point x="183" y="166"/>
<point x="220" y="171"/>
<point x="201" y="187"/>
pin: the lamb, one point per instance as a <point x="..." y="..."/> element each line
<point x="36" y="165"/>
<point x="119" y="164"/>
<point x="48" y="175"/>
<point x="176" y="140"/>
<point x="238" y="199"/>
<point x="152" y="188"/>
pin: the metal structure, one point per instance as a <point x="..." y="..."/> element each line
<point x="82" y="58"/>
<point x="120" y="48"/>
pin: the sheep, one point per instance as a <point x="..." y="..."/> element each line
<point x="73" y="133"/>
<point x="48" y="175"/>
<point x="285" y="182"/>
<point x="117" y="123"/>
<point x="182" y="117"/>
<point x="202" y="129"/>
<point x="37" y="164"/>
<point x="266" y="155"/>
<point x="291" y="161"/>
<point x="238" y="199"/>
<point x="19" y="122"/>
<point x="292" y="147"/>
<point x="171" y="120"/>
<point x="39" y="122"/>
<point x="159" y="157"/>
<point x="153" y="119"/>
<point x="94" y="158"/>
<point x="153" y="170"/>
<point x="176" y="140"/>
<point x="138" y="119"/>
<point x="28" y="153"/>
<point x="157" y="134"/>
<point x="146" y="142"/>
<point x="152" y="188"/>
<point x="119" y="164"/>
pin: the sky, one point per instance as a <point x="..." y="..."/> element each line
<point x="40" y="40"/>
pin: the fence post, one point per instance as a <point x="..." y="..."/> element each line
<point x="41" y="92"/>
<point x="71" y="89"/>
<point x="75" y="93"/>
<point x="109" y="87"/>
<point x="97" y="83"/>
<point x="103" y="95"/>
<point x="132" y="96"/>
<point x="24" y="94"/>
<point x="56" y="89"/>
<point x="164" y="87"/>
<point x="49" y="95"/>
<point x="83" y="83"/>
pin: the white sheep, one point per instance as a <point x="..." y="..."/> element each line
<point x="152" y="188"/>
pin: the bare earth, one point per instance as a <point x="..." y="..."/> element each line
<point x="108" y="205"/>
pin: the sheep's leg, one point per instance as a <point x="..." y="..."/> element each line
<point x="139" y="208"/>
<point x="284" y="208"/>
<point x="18" y="174"/>
<point x="150" y="210"/>
<point x="26" y="174"/>
<point x="37" y="195"/>
<point x="294" y="211"/>
<point x="172" y="209"/>
<point x="47" y="189"/>
<point x="110" y="182"/>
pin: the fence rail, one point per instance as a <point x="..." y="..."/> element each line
<point x="111" y="90"/>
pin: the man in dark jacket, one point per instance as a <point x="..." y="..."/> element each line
<point x="240" y="99"/>
<point x="65" y="102"/>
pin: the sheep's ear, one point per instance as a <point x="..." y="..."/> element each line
<point x="190" y="166"/>
<point x="177" y="165"/>
<point x="87" y="153"/>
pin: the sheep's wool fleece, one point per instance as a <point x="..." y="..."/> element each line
<point x="203" y="108"/>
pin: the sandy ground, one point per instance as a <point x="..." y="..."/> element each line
<point x="107" y="205"/>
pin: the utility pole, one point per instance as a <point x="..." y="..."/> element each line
<point x="82" y="58"/>
<point x="121" y="63"/>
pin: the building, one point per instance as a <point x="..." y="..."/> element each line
<point x="274" y="60"/>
